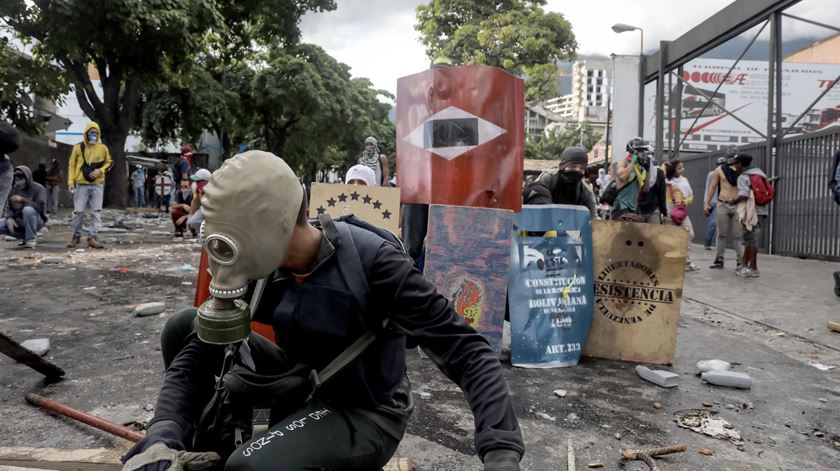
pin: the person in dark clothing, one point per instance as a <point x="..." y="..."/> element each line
<point x="652" y="205"/>
<point x="39" y="176"/>
<point x="54" y="178"/>
<point x="564" y="185"/>
<point x="9" y="142"/>
<point x="25" y="213"/>
<point x="326" y="285"/>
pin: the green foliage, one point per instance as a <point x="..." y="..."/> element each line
<point x="572" y="134"/>
<point x="21" y="77"/>
<point x="516" y="35"/>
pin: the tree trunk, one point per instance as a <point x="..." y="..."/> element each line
<point x="116" y="181"/>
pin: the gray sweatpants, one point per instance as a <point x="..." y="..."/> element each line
<point x="727" y="219"/>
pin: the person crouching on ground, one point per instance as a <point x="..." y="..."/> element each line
<point x="25" y="209"/>
<point x="196" y="214"/>
<point x="328" y="285"/>
<point x="181" y="208"/>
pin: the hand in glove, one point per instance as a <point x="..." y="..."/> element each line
<point x="159" y="457"/>
<point x="11" y="225"/>
<point x="501" y="460"/>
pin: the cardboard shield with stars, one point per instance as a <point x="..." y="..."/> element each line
<point x="461" y="137"/>
<point x="467" y="252"/>
<point x="377" y="205"/>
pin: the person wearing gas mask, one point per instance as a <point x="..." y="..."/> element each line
<point x="376" y="161"/>
<point x="25" y="212"/>
<point x="89" y="160"/>
<point x="323" y="287"/>
<point x="564" y="185"/>
<point x="631" y="179"/>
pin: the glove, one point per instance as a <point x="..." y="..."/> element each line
<point x="11" y="225"/>
<point x="159" y="457"/>
<point x="501" y="460"/>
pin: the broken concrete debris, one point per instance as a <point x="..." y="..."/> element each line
<point x="712" y="365"/>
<point x="732" y="379"/>
<point x="149" y="309"/>
<point x="39" y="347"/>
<point x="662" y="378"/>
<point x="560" y="392"/>
<point x="705" y="422"/>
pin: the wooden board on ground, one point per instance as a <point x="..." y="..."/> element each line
<point x="377" y="205"/>
<point x="467" y="258"/>
<point x="13" y="349"/>
<point x="638" y="271"/>
<point x="98" y="459"/>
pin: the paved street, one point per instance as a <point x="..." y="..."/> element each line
<point x="771" y="327"/>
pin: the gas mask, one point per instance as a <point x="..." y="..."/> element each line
<point x="250" y="208"/>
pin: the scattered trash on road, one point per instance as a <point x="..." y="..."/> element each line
<point x="560" y="392"/>
<point x="149" y="309"/>
<point x="728" y="378"/>
<point x="821" y="366"/>
<point x="706" y="451"/>
<point x="712" y="365"/>
<point x="647" y="455"/>
<point x="705" y="422"/>
<point x="662" y="378"/>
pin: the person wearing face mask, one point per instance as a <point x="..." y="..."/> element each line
<point x="9" y="142"/>
<point x="182" y="198"/>
<point x="564" y="185"/>
<point x="322" y="287"/>
<point x="25" y="212"/>
<point x="89" y="161"/>
<point x="376" y="161"/>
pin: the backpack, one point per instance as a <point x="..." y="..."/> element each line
<point x="762" y="189"/>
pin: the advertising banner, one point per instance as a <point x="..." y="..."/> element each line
<point x="461" y="137"/>
<point x="639" y="271"/>
<point x="467" y="255"/>
<point x="743" y="92"/>
<point x="550" y="286"/>
<point x="378" y="205"/>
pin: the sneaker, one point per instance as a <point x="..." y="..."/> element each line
<point x="94" y="244"/>
<point x="746" y="272"/>
<point x="718" y="263"/>
<point x="752" y="273"/>
<point x="30" y="244"/>
<point x="74" y="242"/>
<point x="707" y="247"/>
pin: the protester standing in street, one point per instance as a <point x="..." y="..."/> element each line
<point x="9" y="142"/>
<point x="835" y="182"/>
<point x="679" y="193"/>
<point x="565" y="184"/>
<point x="724" y="187"/>
<point x="711" y="230"/>
<point x="25" y="212"/>
<point x="376" y="161"/>
<point x="652" y="203"/>
<point x="183" y="168"/>
<point x="89" y="160"/>
<point x="163" y="189"/>
<point x="39" y="176"/>
<point x="631" y="179"/>
<point x="55" y="175"/>
<point x="138" y="184"/>
<point x="751" y="215"/>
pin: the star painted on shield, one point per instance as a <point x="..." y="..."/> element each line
<point x="321" y="210"/>
<point x="366" y="199"/>
<point x="386" y="214"/>
<point x="377" y="204"/>
<point x="331" y="202"/>
<point x="342" y="197"/>
<point x="354" y="196"/>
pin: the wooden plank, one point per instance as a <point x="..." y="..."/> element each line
<point x="96" y="459"/>
<point x="638" y="271"/>
<point x="13" y="349"/>
<point x="377" y="205"/>
<point x="467" y="254"/>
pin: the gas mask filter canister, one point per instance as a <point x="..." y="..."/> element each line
<point x="250" y="208"/>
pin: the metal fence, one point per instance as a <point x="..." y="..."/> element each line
<point x="805" y="221"/>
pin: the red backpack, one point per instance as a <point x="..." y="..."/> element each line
<point x="762" y="189"/>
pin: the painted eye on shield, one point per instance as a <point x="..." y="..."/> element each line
<point x="221" y="249"/>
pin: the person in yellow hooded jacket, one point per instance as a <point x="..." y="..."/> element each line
<point x="89" y="161"/>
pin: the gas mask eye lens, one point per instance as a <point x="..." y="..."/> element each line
<point x="221" y="249"/>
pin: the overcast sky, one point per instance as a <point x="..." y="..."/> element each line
<point x="376" y="38"/>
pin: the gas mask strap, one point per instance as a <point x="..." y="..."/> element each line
<point x="258" y="292"/>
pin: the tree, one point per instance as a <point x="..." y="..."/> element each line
<point x="516" y="35"/>
<point x="571" y="134"/>
<point x="135" y="46"/>
<point x="20" y="78"/>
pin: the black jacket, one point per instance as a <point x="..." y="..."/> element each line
<point x="33" y="194"/>
<point x="654" y="198"/>
<point x="316" y="319"/>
